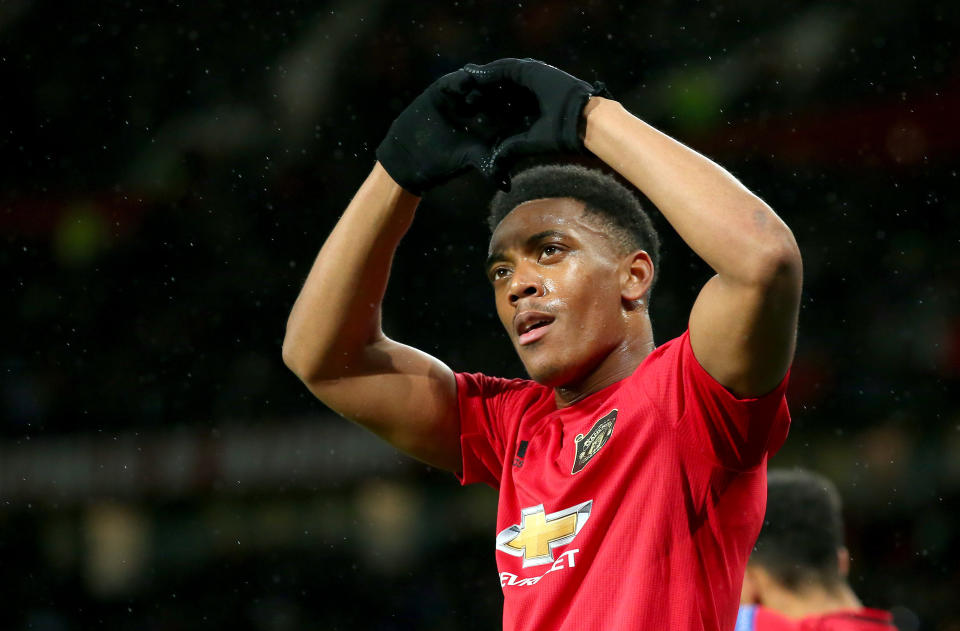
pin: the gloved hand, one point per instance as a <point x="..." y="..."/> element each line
<point x="561" y="98"/>
<point x="441" y="134"/>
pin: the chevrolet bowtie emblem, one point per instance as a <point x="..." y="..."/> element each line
<point x="538" y="534"/>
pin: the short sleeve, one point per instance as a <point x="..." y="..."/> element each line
<point x="739" y="432"/>
<point x="490" y="409"/>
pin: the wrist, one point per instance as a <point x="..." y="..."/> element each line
<point x="392" y="189"/>
<point x="592" y="104"/>
<point x="597" y="110"/>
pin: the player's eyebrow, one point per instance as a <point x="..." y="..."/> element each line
<point x="533" y="239"/>
<point x="546" y="234"/>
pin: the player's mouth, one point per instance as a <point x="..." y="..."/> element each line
<point x="531" y="326"/>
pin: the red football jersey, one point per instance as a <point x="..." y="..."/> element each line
<point x="635" y="508"/>
<point x="756" y="618"/>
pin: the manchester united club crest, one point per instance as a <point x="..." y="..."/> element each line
<point x="590" y="443"/>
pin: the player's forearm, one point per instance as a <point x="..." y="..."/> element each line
<point x="729" y="227"/>
<point x="337" y="313"/>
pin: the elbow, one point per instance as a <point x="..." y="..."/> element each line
<point x="298" y="361"/>
<point x="785" y="259"/>
<point x="292" y="359"/>
<point x="777" y="261"/>
<point x="314" y="363"/>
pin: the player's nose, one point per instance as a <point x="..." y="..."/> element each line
<point x="525" y="283"/>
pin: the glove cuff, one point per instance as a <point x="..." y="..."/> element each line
<point x="570" y="134"/>
<point x="600" y="89"/>
<point x="397" y="162"/>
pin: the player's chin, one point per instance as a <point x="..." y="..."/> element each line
<point x="546" y="371"/>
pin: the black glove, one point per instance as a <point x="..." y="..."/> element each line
<point x="561" y="98"/>
<point x="441" y="134"/>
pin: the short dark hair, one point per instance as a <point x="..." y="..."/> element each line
<point x="602" y="195"/>
<point x="802" y="530"/>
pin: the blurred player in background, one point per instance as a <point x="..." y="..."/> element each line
<point x="796" y="578"/>
<point x="631" y="476"/>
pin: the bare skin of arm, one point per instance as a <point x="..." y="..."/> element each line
<point x="743" y="324"/>
<point x="334" y="341"/>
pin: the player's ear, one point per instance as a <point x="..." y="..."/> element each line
<point x="763" y="586"/>
<point x="843" y="562"/>
<point x="636" y="275"/>
<point x="749" y="592"/>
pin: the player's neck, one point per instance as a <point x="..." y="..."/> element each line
<point x="815" y="601"/>
<point x="615" y="366"/>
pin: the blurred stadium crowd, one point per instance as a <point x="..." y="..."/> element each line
<point x="170" y="170"/>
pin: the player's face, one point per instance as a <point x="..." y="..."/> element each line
<point x="555" y="278"/>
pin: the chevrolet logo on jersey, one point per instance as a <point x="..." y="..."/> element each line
<point x="538" y="534"/>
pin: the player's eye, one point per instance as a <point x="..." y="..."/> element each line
<point x="499" y="273"/>
<point x="549" y="252"/>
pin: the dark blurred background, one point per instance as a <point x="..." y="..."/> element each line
<point x="170" y="170"/>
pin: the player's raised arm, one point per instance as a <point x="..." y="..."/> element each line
<point x="334" y="341"/>
<point x="743" y="324"/>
